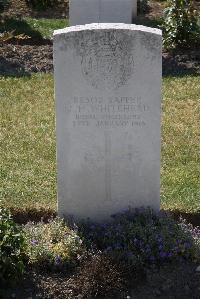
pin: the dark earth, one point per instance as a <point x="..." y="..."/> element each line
<point x="171" y="281"/>
<point x="35" y="55"/>
<point x="19" y="60"/>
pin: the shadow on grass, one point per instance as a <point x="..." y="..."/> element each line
<point x="171" y="68"/>
<point x="193" y="218"/>
<point x="181" y="62"/>
<point x="20" y="26"/>
<point x="22" y="216"/>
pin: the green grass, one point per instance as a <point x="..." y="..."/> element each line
<point x="27" y="143"/>
<point x="180" y="145"/>
<point x="46" y="26"/>
<point x="36" y="28"/>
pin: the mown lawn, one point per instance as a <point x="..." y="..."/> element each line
<point x="46" y="26"/>
<point x="27" y="143"/>
<point x="180" y="172"/>
<point x="35" y="28"/>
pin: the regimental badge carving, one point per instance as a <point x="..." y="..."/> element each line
<point x="107" y="60"/>
<point x="106" y="56"/>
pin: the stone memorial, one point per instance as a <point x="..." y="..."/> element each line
<point x="83" y="12"/>
<point x="107" y="89"/>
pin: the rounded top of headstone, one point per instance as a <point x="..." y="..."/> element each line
<point x="108" y="26"/>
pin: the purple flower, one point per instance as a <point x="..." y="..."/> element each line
<point x="176" y="249"/>
<point x="160" y="240"/>
<point x="117" y="246"/>
<point x="107" y="234"/>
<point x="34" y="242"/>
<point x="141" y="210"/>
<point x="163" y="254"/>
<point x="188" y="245"/>
<point x="129" y="255"/>
<point x="58" y="260"/>
<point x="152" y="258"/>
<point x="148" y="250"/>
<point x="170" y="254"/>
<point x="141" y="243"/>
<point x="103" y="226"/>
<point x="109" y="248"/>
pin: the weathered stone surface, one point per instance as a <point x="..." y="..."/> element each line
<point x="102" y="11"/>
<point x="107" y="88"/>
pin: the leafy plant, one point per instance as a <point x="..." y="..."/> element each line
<point x="52" y="244"/>
<point x="11" y="248"/>
<point x="180" y="26"/>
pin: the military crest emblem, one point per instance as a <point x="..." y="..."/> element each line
<point x="107" y="61"/>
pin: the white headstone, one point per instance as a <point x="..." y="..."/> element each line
<point x="102" y="11"/>
<point x="107" y="89"/>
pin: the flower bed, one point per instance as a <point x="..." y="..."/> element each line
<point x="102" y="259"/>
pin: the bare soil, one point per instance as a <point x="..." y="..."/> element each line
<point x="21" y="8"/>
<point x="35" y="55"/>
<point x="171" y="281"/>
<point x="20" y="60"/>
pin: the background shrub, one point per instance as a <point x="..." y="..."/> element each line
<point x="142" y="6"/>
<point x="42" y="4"/>
<point x="11" y="249"/>
<point x="180" y="26"/>
<point x="4" y="4"/>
